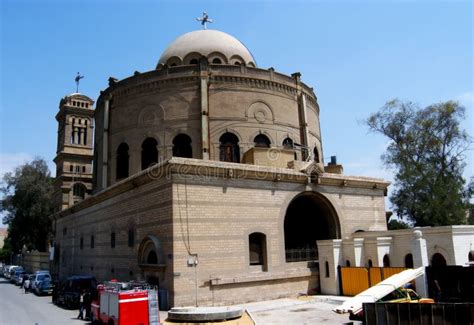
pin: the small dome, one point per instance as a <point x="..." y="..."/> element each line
<point x="217" y="46"/>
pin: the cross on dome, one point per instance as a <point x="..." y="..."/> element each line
<point x="204" y="20"/>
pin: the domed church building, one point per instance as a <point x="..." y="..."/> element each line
<point x="205" y="177"/>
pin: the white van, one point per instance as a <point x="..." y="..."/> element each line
<point x="39" y="277"/>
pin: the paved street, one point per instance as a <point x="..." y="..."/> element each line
<point x="18" y="308"/>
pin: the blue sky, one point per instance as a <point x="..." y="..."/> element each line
<point x="356" y="54"/>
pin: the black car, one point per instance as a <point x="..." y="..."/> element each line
<point x="67" y="293"/>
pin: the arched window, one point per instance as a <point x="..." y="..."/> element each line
<point x="438" y="260"/>
<point x="348" y="263"/>
<point x="112" y="240"/>
<point x="409" y="261"/>
<point x="288" y="143"/>
<point x="131" y="237"/>
<point x="152" y="258"/>
<point x="470" y="256"/>
<point x="217" y="61"/>
<point x="122" y="161"/>
<point x="257" y="249"/>
<point x="85" y="136"/>
<point x="326" y="269"/>
<point x="316" y="154"/>
<point x="386" y="260"/>
<point x="73" y="131"/>
<point x="78" y="192"/>
<point x="229" y="148"/>
<point x="369" y="263"/>
<point x="262" y="141"/>
<point x="149" y="152"/>
<point x="193" y="61"/>
<point x="182" y="146"/>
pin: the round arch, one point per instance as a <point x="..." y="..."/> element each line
<point x="309" y="217"/>
<point x="438" y="260"/>
<point x="79" y="191"/>
<point x="150" y="251"/>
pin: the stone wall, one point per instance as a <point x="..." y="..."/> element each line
<point x="35" y="261"/>
<point x="199" y="209"/>
<point x="453" y="242"/>
<point x="144" y="209"/>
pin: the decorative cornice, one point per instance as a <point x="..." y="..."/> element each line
<point x="250" y="77"/>
<point x="254" y="83"/>
<point x="211" y="169"/>
<point x="352" y="181"/>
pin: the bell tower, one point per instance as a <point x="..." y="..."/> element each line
<point x="74" y="154"/>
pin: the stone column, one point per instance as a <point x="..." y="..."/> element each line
<point x="330" y="252"/>
<point x="358" y="252"/>
<point x="383" y="248"/>
<point x="420" y="259"/>
<point x="105" y="144"/>
<point x="204" y="79"/>
<point x="81" y="136"/>
<point x="303" y="117"/>
<point x="75" y="135"/>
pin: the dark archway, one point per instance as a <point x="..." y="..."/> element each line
<point x="262" y="141"/>
<point x="182" y="146"/>
<point x="309" y="217"/>
<point x="152" y="258"/>
<point x="316" y="154"/>
<point x="386" y="261"/>
<point x="78" y="192"/>
<point x="150" y="245"/>
<point x="149" y="152"/>
<point x="288" y="143"/>
<point x="438" y="260"/>
<point x="122" y="161"/>
<point x="409" y="261"/>
<point x="229" y="148"/>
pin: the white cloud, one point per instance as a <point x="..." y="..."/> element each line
<point x="8" y="161"/>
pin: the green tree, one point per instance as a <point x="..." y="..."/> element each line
<point x="27" y="204"/>
<point x="426" y="150"/>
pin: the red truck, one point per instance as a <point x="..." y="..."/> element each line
<point x="125" y="303"/>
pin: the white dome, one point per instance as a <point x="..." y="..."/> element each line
<point x="209" y="43"/>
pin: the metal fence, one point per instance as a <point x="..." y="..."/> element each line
<point x="301" y="254"/>
<point x="427" y="314"/>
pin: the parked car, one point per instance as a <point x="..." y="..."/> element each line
<point x="38" y="278"/>
<point x="8" y="271"/>
<point x="19" y="277"/>
<point x="44" y="287"/>
<point x="67" y="293"/>
<point x="4" y="270"/>
<point x="15" y="273"/>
